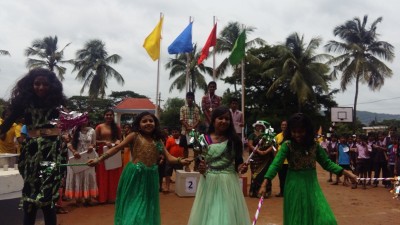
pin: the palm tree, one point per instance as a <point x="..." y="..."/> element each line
<point x="4" y="52"/>
<point x="226" y="42"/>
<point x="93" y="66"/>
<point x="298" y="68"/>
<point x="358" y="59"/>
<point x="46" y="50"/>
<point x="179" y="65"/>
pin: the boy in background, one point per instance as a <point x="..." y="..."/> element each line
<point x="332" y="153"/>
<point x="343" y="157"/>
<point x="173" y="147"/>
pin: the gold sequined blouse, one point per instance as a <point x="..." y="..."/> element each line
<point x="145" y="150"/>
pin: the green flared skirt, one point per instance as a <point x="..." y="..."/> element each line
<point x="304" y="202"/>
<point x="137" y="196"/>
<point x="219" y="201"/>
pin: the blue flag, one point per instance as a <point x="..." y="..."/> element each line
<point x="183" y="43"/>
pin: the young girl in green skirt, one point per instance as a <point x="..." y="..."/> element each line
<point x="304" y="202"/>
<point x="137" y="195"/>
<point x="219" y="198"/>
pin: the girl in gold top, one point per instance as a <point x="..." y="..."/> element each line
<point x="137" y="196"/>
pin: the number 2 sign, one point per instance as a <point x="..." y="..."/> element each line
<point x="190" y="184"/>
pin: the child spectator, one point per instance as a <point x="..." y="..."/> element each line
<point x="363" y="158"/>
<point x="371" y="142"/>
<point x="351" y="142"/>
<point x="380" y="159"/>
<point x="343" y="157"/>
<point x="175" y="150"/>
<point x="391" y="153"/>
<point x="332" y="153"/>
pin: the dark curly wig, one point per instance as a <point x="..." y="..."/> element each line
<point x="24" y="95"/>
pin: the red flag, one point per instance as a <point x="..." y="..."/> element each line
<point x="211" y="41"/>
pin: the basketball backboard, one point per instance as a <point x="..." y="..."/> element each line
<point x="342" y="114"/>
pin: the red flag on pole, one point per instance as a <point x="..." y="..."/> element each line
<point x="211" y="41"/>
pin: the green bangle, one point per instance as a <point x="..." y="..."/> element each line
<point x="179" y="160"/>
<point x="104" y="156"/>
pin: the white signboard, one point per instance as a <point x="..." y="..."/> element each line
<point x="114" y="161"/>
<point x="85" y="156"/>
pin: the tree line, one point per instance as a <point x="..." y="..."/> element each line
<point x="280" y="79"/>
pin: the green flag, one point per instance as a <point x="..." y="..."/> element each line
<point x="238" y="50"/>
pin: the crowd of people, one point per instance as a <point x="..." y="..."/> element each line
<point x="370" y="156"/>
<point x="148" y="155"/>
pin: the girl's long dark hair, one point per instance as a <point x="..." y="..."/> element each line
<point x="75" y="138"/>
<point x="115" y="133"/>
<point x="157" y="134"/>
<point x="300" y="120"/>
<point x="234" y="142"/>
<point x="24" y="95"/>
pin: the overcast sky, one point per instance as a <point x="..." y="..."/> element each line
<point x="124" y="24"/>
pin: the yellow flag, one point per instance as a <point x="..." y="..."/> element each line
<point x="320" y="139"/>
<point x="152" y="42"/>
<point x="320" y="131"/>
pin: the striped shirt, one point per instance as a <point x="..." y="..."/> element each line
<point x="191" y="115"/>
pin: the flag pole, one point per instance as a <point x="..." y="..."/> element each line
<point x="243" y="86"/>
<point x="187" y="72"/>
<point x="187" y="65"/>
<point x="158" y="78"/>
<point x="214" y="71"/>
<point x="243" y="95"/>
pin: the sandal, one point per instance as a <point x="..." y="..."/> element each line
<point x="61" y="210"/>
<point x="88" y="203"/>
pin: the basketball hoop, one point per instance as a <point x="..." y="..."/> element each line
<point x="342" y="114"/>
